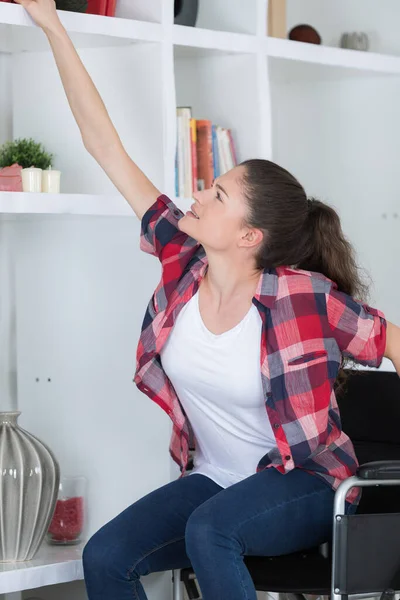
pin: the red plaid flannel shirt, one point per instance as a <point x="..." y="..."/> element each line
<point x="307" y="326"/>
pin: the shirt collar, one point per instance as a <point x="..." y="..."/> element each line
<point x="267" y="287"/>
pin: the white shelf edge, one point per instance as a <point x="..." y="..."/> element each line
<point x="194" y="37"/>
<point x="20" y="203"/>
<point x="328" y="56"/>
<point x="50" y="565"/>
<point x="224" y="41"/>
<point x="12" y="14"/>
<point x="386" y="366"/>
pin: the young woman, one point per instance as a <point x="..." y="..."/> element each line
<point x="241" y="345"/>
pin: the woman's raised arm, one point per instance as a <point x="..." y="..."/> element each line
<point x="98" y="132"/>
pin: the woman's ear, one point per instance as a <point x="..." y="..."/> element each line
<point x="252" y="237"/>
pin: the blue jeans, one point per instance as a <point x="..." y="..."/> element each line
<point x="194" y="522"/>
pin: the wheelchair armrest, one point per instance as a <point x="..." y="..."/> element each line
<point x="380" y="469"/>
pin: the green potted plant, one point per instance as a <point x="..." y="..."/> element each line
<point x="25" y="153"/>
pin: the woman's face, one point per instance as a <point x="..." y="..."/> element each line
<point x="221" y="212"/>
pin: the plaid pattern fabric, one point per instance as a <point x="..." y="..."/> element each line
<point x="308" y="326"/>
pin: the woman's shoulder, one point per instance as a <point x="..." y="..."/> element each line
<point x="297" y="280"/>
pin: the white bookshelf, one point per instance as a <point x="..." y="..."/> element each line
<point x="194" y="39"/>
<point x="386" y="365"/>
<point x="51" y="565"/>
<point x="295" y="61"/>
<point x="327" y="114"/>
<point x="20" y="34"/>
<point x="28" y="204"/>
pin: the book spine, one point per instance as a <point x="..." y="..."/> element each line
<point x="233" y="147"/>
<point x="205" y="163"/>
<point x="186" y="115"/>
<point x="277" y="26"/>
<point x="227" y="148"/>
<point x="111" y="6"/>
<point x="176" y="173"/>
<point x="222" y="163"/>
<point x="97" y="7"/>
<point x="193" y="136"/>
<point x="181" y="162"/>
<point x="215" y="152"/>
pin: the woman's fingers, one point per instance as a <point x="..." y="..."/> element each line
<point x="43" y="12"/>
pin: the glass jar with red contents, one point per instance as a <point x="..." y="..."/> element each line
<point x="69" y="518"/>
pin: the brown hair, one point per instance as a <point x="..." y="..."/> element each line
<point x="298" y="232"/>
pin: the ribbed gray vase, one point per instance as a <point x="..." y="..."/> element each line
<point x="29" y="482"/>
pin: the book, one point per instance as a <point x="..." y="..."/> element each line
<point x="97" y="7"/>
<point x="193" y="149"/>
<point x="228" y="149"/>
<point x="221" y="151"/>
<point x="184" y="115"/>
<point x="277" y="26"/>
<point x="181" y="162"/>
<point x="205" y="162"/>
<point x="204" y="151"/>
<point x="233" y="147"/>
<point x="217" y="170"/>
<point x="110" y="9"/>
<point x="176" y="173"/>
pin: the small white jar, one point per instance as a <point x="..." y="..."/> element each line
<point x="31" y="180"/>
<point x="51" y="181"/>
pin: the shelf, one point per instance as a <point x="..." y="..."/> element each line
<point x="50" y="565"/>
<point x="18" y="32"/>
<point x="20" y="203"/>
<point x="294" y="61"/>
<point x="194" y="41"/>
<point x="386" y="365"/>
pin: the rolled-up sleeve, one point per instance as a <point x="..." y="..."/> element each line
<point x="159" y="225"/>
<point x="359" y="329"/>
<point x="160" y="235"/>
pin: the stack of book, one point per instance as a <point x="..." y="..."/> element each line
<point x="204" y="151"/>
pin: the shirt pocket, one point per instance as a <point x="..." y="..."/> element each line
<point x="314" y="356"/>
<point x="307" y="379"/>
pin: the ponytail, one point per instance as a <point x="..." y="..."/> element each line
<point x="329" y="252"/>
<point x="298" y="232"/>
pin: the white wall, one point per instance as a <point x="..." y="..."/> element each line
<point x="228" y="15"/>
<point x="5" y="98"/>
<point x="81" y="331"/>
<point x="331" y="18"/>
<point x="8" y="350"/>
<point x="151" y="10"/>
<point x="341" y="139"/>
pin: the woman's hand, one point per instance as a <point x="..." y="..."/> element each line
<point x="43" y="12"/>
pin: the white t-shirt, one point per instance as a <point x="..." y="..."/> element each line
<point x="217" y="379"/>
